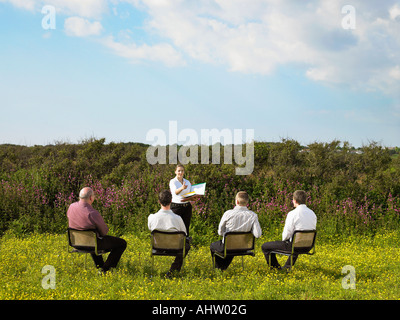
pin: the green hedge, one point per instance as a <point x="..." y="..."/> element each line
<point x="351" y="190"/>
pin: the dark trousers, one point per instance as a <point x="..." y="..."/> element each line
<point x="277" y="245"/>
<point x="220" y="263"/>
<point x="177" y="264"/>
<point x="184" y="210"/>
<point x="115" y="245"/>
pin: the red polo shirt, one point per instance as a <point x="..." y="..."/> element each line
<point x="83" y="216"/>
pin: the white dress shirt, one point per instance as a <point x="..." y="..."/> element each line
<point x="239" y="219"/>
<point x="175" y="184"/>
<point x="301" y="218"/>
<point x="165" y="220"/>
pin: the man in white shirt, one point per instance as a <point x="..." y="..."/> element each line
<point x="238" y="219"/>
<point x="301" y="218"/>
<point x="166" y="220"/>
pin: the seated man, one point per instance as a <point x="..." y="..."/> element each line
<point x="238" y="219"/>
<point x="82" y="216"/>
<point x="166" y="220"/>
<point x="301" y="218"/>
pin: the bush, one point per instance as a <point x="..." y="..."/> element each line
<point x="351" y="191"/>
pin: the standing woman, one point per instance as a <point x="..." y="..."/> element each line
<point x="179" y="186"/>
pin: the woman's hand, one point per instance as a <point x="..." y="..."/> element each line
<point x="184" y="186"/>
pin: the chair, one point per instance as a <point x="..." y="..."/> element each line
<point x="236" y="244"/>
<point x="84" y="241"/>
<point x="303" y="242"/>
<point x="167" y="244"/>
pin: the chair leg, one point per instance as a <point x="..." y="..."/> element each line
<point x="291" y="263"/>
<point x="269" y="260"/>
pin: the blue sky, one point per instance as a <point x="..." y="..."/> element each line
<point x="117" y="69"/>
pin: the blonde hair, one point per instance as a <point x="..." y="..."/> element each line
<point x="242" y="198"/>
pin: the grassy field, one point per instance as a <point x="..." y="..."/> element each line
<point x="376" y="262"/>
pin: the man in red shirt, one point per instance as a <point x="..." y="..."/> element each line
<point x="82" y="216"/>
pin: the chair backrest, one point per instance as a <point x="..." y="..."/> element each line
<point x="239" y="241"/>
<point x="162" y="240"/>
<point x="304" y="240"/>
<point x="82" y="238"/>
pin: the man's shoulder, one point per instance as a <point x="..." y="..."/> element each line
<point x="91" y="210"/>
<point x="74" y="204"/>
<point x="293" y="212"/>
<point x="164" y="213"/>
<point x="154" y="215"/>
<point x="300" y="211"/>
<point x="250" y="212"/>
<point x="304" y="208"/>
<point x="228" y="213"/>
<point x="74" y="207"/>
<point x="240" y="211"/>
<point x="173" y="215"/>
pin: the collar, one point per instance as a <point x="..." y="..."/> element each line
<point x="176" y="178"/>
<point x="165" y="211"/>
<point x="242" y="208"/>
<point x="84" y="203"/>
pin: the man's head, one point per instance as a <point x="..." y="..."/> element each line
<point x="86" y="195"/>
<point x="299" y="197"/>
<point x="242" y="198"/>
<point x="165" y="198"/>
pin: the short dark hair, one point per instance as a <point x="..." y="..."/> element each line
<point x="165" y="197"/>
<point x="300" y="196"/>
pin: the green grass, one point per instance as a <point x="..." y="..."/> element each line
<point x="376" y="262"/>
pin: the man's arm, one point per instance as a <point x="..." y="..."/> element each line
<point x="288" y="230"/>
<point x="222" y="223"/>
<point x="150" y="222"/>
<point x="96" y="218"/>
<point x="256" y="228"/>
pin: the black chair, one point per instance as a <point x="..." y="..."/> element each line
<point x="303" y="242"/>
<point x="167" y="244"/>
<point x="236" y="244"/>
<point x="84" y="241"/>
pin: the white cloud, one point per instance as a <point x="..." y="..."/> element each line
<point x="80" y="27"/>
<point x="84" y="8"/>
<point x="394" y="12"/>
<point x="255" y="36"/>
<point x="22" y="4"/>
<point x="395" y="72"/>
<point x="262" y="35"/>
<point x="162" y="52"/>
